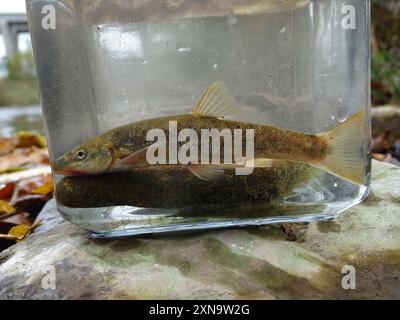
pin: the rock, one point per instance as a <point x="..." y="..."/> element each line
<point x="225" y="264"/>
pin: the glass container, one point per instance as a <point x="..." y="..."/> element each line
<point x="295" y="70"/>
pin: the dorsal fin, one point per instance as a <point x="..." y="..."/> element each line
<point x="216" y="101"/>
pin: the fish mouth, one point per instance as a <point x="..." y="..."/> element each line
<point x="60" y="166"/>
<point x="66" y="171"/>
<point x="69" y="172"/>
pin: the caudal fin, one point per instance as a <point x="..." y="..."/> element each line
<point x="345" y="158"/>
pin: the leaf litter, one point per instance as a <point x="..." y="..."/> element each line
<point x="25" y="185"/>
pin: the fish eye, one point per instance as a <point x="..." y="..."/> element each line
<point x="81" y="155"/>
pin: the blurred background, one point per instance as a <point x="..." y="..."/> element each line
<point x="19" y="98"/>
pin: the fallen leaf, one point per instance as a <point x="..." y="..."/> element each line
<point x="379" y="156"/>
<point x="7" y="191"/>
<point x="22" y="157"/>
<point x="20" y="232"/>
<point x="32" y="203"/>
<point x="26" y="186"/>
<point x="7" y="145"/>
<point x="4" y="228"/>
<point x="45" y="189"/>
<point x="17" y="218"/>
<point x="28" y="139"/>
<point x="6" y="208"/>
<point x="5" y="240"/>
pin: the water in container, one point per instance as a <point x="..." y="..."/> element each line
<point x="175" y="115"/>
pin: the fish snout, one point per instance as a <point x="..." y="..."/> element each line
<point x="62" y="165"/>
<point x="59" y="165"/>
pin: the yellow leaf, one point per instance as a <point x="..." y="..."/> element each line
<point x="19" y="232"/>
<point x="6" y="208"/>
<point x="44" y="189"/>
<point x="28" y="138"/>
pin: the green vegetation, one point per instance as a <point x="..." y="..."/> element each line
<point x="385" y="75"/>
<point x="385" y="70"/>
<point x="20" y="86"/>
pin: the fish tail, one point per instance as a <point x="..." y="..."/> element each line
<point x="344" y="158"/>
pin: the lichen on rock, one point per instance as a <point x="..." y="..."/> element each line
<point x="225" y="264"/>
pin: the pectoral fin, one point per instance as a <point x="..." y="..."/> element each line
<point x="135" y="159"/>
<point x="207" y="172"/>
<point x="216" y="101"/>
<point x="257" y="163"/>
<point x="210" y="172"/>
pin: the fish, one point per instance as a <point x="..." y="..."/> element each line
<point x="176" y="187"/>
<point x="336" y="151"/>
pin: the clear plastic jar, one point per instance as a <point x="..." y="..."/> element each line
<point x="301" y="66"/>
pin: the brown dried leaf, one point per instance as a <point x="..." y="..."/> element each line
<point x="7" y="145"/>
<point x="379" y="156"/>
<point x="20" y="157"/>
<point x="7" y="191"/>
<point x="26" y="187"/>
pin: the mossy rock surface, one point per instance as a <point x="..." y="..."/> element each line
<point x="224" y="264"/>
